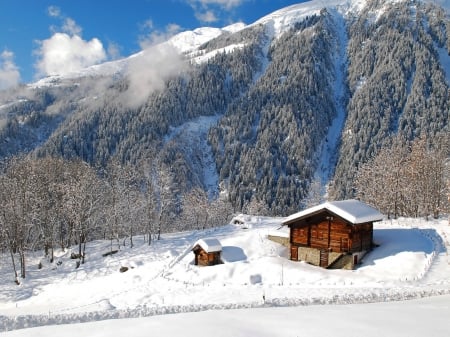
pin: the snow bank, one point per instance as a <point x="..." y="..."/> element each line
<point x="338" y="298"/>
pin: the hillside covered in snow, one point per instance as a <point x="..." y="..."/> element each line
<point x="410" y="262"/>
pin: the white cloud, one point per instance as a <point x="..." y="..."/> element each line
<point x="205" y="10"/>
<point x="54" y="11"/>
<point x="173" y="29"/>
<point x="62" y="54"/>
<point x="225" y="4"/>
<point x="113" y="51"/>
<point x="153" y="37"/>
<point x="70" y="27"/>
<point x="207" y="16"/>
<point x="9" y="72"/>
<point x="149" y="71"/>
<point x="147" y="25"/>
<point x="66" y="51"/>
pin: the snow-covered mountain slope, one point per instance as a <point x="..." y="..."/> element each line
<point x="185" y="43"/>
<point x="188" y="42"/>
<point x="301" y="97"/>
<point x="411" y="261"/>
<point x="285" y="18"/>
<point x="193" y="135"/>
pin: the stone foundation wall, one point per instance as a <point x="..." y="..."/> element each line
<point x="312" y="256"/>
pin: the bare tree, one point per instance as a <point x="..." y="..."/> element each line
<point x="220" y="211"/>
<point x="195" y="209"/>
<point x="123" y="186"/>
<point x="48" y="201"/>
<point x="116" y="190"/>
<point x="407" y="179"/>
<point x="83" y="202"/>
<point x="255" y="206"/>
<point x="381" y="180"/>
<point x="148" y="200"/>
<point x="17" y="212"/>
<point x="8" y="227"/>
<point x="165" y="198"/>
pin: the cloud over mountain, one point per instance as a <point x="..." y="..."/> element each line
<point x="9" y="72"/>
<point x="148" y="72"/>
<point x="66" y="51"/>
<point x="62" y="54"/>
<point x="207" y="10"/>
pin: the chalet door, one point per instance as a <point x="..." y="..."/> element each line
<point x="294" y="253"/>
<point x="344" y="245"/>
<point x="324" y="258"/>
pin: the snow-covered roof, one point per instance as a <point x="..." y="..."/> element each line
<point x="281" y="231"/>
<point x="354" y="211"/>
<point x="209" y="245"/>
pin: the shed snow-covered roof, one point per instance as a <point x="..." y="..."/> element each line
<point x="209" y="245"/>
<point x="354" y="211"/>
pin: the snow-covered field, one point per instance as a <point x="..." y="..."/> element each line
<point x="417" y="318"/>
<point x="257" y="279"/>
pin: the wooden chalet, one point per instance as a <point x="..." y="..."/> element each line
<point x="207" y="252"/>
<point x="332" y="235"/>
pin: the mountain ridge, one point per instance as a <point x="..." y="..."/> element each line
<point x="187" y="41"/>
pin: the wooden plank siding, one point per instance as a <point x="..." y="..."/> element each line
<point x="334" y="235"/>
<point x="203" y="258"/>
<point x="362" y="237"/>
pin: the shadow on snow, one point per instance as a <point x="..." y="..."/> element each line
<point x="399" y="240"/>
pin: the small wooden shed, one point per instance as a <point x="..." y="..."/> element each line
<point x="332" y="235"/>
<point x="207" y="252"/>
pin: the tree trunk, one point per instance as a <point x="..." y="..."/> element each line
<point x="79" y="246"/>
<point x="159" y="227"/>
<point x="149" y="237"/>
<point x="22" y="263"/>
<point x="16" y="276"/>
<point x="84" y="251"/>
<point x="131" y="237"/>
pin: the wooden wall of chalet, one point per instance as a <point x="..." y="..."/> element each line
<point x="202" y="258"/>
<point x="336" y="235"/>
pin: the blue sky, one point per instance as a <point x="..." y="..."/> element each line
<point x="44" y="37"/>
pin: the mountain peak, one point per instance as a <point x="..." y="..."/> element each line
<point x="188" y="41"/>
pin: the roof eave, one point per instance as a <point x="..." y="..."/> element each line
<point x="341" y="213"/>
